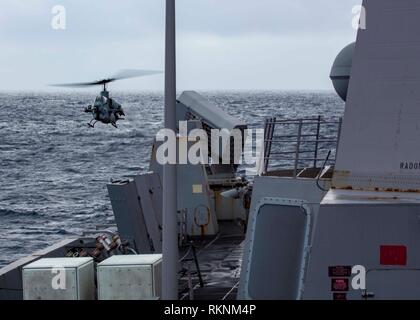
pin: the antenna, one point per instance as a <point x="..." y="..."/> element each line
<point x="170" y="207"/>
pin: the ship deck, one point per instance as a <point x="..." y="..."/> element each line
<point x="219" y="260"/>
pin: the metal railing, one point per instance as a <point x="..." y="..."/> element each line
<point x="295" y="144"/>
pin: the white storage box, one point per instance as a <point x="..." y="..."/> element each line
<point x="130" y="277"/>
<point x="59" y="279"/>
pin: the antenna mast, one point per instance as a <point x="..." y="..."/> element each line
<point x="170" y="208"/>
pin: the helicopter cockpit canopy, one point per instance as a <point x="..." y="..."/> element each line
<point x="100" y="100"/>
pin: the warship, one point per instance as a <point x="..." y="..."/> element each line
<point x="331" y="213"/>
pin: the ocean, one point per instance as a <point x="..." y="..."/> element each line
<point x="54" y="168"/>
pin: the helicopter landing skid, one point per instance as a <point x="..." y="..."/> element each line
<point x="92" y="125"/>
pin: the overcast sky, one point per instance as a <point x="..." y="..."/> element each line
<point x="222" y="44"/>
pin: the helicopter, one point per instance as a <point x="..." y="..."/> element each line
<point x="104" y="108"/>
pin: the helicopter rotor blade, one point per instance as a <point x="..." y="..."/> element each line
<point x="133" y="73"/>
<point x="82" y="84"/>
<point x="123" y="74"/>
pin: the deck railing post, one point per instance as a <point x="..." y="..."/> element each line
<point x="299" y="136"/>
<point x="340" y="124"/>
<point x="266" y="154"/>
<point x="318" y="127"/>
<point x="269" y="132"/>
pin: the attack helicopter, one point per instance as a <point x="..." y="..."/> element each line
<point x="104" y="108"/>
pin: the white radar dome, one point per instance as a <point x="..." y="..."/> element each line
<point x="340" y="71"/>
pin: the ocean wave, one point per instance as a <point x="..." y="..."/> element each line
<point x="16" y="214"/>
